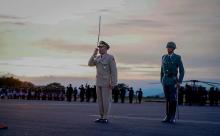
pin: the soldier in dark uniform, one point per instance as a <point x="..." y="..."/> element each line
<point x="94" y="95"/>
<point x="115" y="92"/>
<point x="216" y="97"/>
<point x="188" y="94"/>
<point x="38" y="94"/>
<point x="49" y="94"/>
<point x="131" y="95"/>
<point x="171" y="64"/>
<point x="211" y="96"/>
<point x="218" y="94"/>
<point x="122" y="94"/>
<point x="204" y="96"/>
<point x="69" y="93"/>
<point x="75" y="92"/>
<point x="88" y="93"/>
<point x="63" y="94"/>
<point x="200" y="95"/>
<point x="181" y="95"/>
<point x="29" y="94"/>
<point x="82" y="93"/>
<point x="139" y="95"/>
<point x="3" y="92"/>
<point x="43" y="95"/>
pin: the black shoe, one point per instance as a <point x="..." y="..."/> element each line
<point x="105" y="121"/>
<point x="98" y="120"/>
<point x="172" y="120"/>
<point x="165" y="120"/>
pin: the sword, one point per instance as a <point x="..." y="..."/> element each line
<point x="177" y="101"/>
<point x="99" y="30"/>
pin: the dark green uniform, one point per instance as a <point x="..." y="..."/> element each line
<point x="171" y="66"/>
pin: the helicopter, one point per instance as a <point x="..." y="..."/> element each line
<point x="195" y="83"/>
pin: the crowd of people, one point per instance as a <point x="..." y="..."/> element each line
<point x="188" y="95"/>
<point x="83" y="93"/>
<point x="198" y="95"/>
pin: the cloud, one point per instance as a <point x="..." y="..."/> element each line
<point x="190" y="8"/>
<point x="32" y="66"/>
<point x="64" y="80"/>
<point x="40" y="66"/>
<point x="136" y="32"/>
<point x="131" y="26"/>
<point x="127" y="54"/>
<point x="12" y="20"/>
<point x="138" y="71"/>
<point x="14" y="23"/>
<point x="189" y="13"/>
<point x="62" y="45"/>
<point x="11" y="17"/>
<point x="104" y="10"/>
<point x="143" y="23"/>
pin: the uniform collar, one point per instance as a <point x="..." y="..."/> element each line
<point x="170" y="55"/>
<point x="103" y="56"/>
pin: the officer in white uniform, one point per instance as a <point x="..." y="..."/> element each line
<point x="106" y="78"/>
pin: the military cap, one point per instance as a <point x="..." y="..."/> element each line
<point x="171" y="45"/>
<point x="102" y="43"/>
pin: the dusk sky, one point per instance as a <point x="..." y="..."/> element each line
<point x="53" y="39"/>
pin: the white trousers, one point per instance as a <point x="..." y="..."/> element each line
<point x="104" y="95"/>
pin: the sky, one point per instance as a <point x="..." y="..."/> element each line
<point x="51" y="40"/>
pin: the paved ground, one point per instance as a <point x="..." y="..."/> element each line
<point x="49" y="118"/>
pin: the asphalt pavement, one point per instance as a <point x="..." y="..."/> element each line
<point x="57" y="118"/>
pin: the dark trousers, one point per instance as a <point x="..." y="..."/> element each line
<point x="75" y="97"/>
<point x="170" y="92"/>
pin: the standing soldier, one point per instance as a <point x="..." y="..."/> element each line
<point x="75" y="92"/>
<point x="82" y="93"/>
<point x="88" y="93"/>
<point x="216" y="97"/>
<point x="94" y="95"/>
<point x="69" y="93"/>
<point x="211" y="96"/>
<point x="106" y="78"/>
<point x="115" y="94"/>
<point x="131" y="95"/>
<point x="171" y="64"/>
<point x="139" y="94"/>
<point x="180" y="95"/>
<point x="122" y="94"/>
<point x="188" y="94"/>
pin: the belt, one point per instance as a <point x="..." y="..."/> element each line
<point x="170" y="75"/>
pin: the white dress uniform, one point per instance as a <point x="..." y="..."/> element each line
<point x="106" y="76"/>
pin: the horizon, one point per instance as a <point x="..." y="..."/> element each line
<point x="149" y="87"/>
<point x="50" y="38"/>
